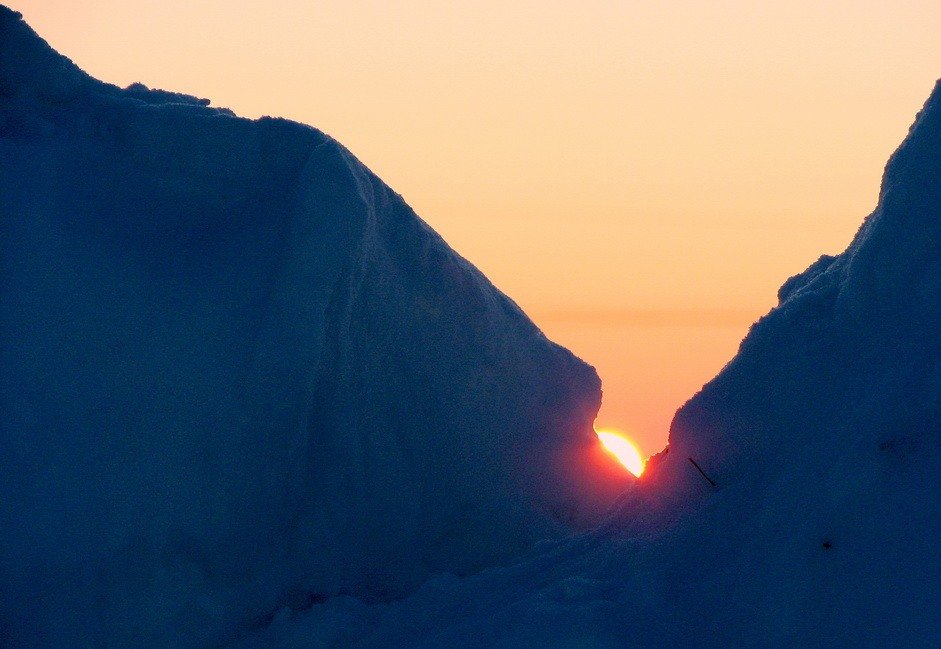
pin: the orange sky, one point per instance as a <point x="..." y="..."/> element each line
<point x="639" y="176"/>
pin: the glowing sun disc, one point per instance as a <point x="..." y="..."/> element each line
<point x="623" y="449"/>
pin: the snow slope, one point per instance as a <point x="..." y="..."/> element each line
<point x="822" y="438"/>
<point x="238" y="375"/>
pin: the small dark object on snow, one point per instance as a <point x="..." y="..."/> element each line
<point x="702" y="473"/>
<point x="827" y="545"/>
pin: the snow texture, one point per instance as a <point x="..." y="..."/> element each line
<point x="822" y="438"/>
<point x="239" y="376"/>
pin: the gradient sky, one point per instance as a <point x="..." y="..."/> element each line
<point x="639" y="176"/>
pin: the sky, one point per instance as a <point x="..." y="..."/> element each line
<point x="639" y="176"/>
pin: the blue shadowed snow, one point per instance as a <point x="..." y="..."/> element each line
<point x="822" y="436"/>
<point x="249" y="399"/>
<point x="238" y="374"/>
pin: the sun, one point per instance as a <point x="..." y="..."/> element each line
<point x="623" y="449"/>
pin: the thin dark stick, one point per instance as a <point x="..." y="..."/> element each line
<point x="702" y="473"/>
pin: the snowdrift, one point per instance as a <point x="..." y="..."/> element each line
<point x="822" y="440"/>
<point x="238" y="375"/>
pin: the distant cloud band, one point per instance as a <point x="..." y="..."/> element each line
<point x="649" y="317"/>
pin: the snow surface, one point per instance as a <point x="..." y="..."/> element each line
<point x="822" y="436"/>
<point x="239" y="376"/>
<point x="249" y="399"/>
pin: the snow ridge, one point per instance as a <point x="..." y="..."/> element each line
<point x="238" y="374"/>
<point x="814" y="519"/>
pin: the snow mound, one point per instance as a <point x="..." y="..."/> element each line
<point x="813" y="517"/>
<point x="239" y="375"/>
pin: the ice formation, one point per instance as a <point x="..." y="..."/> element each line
<point x="822" y="440"/>
<point x="249" y="399"/>
<point x="239" y="375"/>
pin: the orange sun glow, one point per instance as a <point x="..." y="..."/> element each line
<point x="623" y="449"/>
